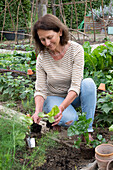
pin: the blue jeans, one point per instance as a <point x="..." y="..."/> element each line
<point x="86" y="99"/>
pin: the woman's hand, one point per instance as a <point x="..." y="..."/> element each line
<point x="36" y="118"/>
<point x="58" y="117"/>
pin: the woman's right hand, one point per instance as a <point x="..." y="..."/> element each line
<point x="36" y="118"/>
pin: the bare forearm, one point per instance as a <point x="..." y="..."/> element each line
<point x="68" y="100"/>
<point x="39" y="101"/>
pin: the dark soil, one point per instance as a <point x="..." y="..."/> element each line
<point x="64" y="157"/>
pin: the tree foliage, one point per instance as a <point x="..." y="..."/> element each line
<point x="13" y="7"/>
<point x="69" y="10"/>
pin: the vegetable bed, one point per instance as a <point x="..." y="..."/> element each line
<point x="16" y="91"/>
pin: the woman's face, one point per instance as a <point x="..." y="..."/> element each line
<point x="50" y="38"/>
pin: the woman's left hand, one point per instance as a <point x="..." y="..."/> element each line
<point x="57" y="118"/>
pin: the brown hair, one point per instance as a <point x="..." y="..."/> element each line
<point x="49" y="22"/>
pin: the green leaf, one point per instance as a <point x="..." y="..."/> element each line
<point x="73" y="130"/>
<point x="51" y="119"/>
<point x="106" y="108"/>
<point x="55" y="110"/>
<point x="109" y="76"/>
<point x="1" y="88"/>
<point x="20" y="135"/>
<point x="101" y="100"/>
<point x="111" y="128"/>
<point x="87" y="47"/>
<point x="26" y="120"/>
<point x="41" y="114"/>
<point x="99" y="137"/>
<point x="50" y="116"/>
<point x="77" y="143"/>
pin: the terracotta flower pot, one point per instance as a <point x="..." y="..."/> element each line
<point x="110" y="165"/>
<point x="103" y="154"/>
<point x="102" y="164"/>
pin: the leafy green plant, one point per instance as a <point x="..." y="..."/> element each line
<point x="13" y="7"/>
<point x="12" y="104"/>
<point x="18" y="61"/>
<point x="50" y="116"/>
<point x="12" y="138"/>
<point x="28" y="104"/>
<point x="108" y="10"/>
<point x="16" y="88"/>
<point x="105" y="105"/>
<point x="69" y="10"/>
<point x="100" y="58"/>
<point x="98" y="141"/>
<point x="80" y="128"/>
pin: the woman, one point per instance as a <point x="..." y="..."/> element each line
<point x="59" y="74"/>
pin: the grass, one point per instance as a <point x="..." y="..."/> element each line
<point x="9" y="142"/>
<point x="13" y="151"/>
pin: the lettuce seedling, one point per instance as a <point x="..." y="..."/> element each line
<point x="50" y="116"/>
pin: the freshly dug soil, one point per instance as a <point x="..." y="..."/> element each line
<point x="65" y="157"/>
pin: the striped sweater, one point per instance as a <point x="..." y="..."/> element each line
<point x="57" y="78"/>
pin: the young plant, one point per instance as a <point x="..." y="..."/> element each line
<point x="50" y="116"/>
<point x="105" y="105"/>
<point x="80" y="128"/>
<point x="98" y="141"/>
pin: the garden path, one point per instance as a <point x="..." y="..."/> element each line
<point x="2" y="51"/>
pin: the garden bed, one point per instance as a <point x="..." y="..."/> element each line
<point x="65" y="157"/>
<point x="17" y="92"/>
<point x="62" y="156"/>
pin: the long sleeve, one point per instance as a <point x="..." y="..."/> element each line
<point x="77" y="70"/>
<point x="57" y="78"/>
<point x="41" y="79"/>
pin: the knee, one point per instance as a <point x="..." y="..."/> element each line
<point x="88" y="85"/>
<point x="68" y="118"/>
